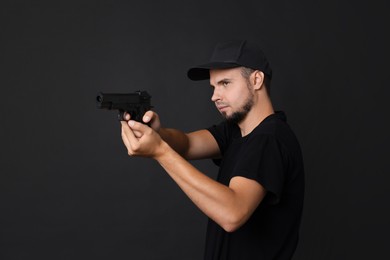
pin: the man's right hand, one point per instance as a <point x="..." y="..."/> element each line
<point x="153" y="120"/>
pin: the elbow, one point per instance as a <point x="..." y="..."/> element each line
<point x="234" y="222"/>
<point x="230" y="228"/>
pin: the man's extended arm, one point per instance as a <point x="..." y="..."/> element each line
<point x="230" y="206"/>
<point x="192" y="146"/>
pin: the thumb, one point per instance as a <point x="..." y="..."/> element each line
<point x="148" y="116"/>
<point x="152" y="119"/>
<point x="137" y="127"/>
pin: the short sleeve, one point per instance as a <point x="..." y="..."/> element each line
<point x="262" y="160"/>
<point x="221" y="134"/>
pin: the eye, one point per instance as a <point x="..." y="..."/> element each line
<point x="225" y="83"/>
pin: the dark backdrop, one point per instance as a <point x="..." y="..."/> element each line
<point x="68" y="190"/>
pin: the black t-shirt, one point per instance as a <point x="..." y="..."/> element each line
<point x="271" y="155"/>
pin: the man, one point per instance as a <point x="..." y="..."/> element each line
<point x="255" y="205"/>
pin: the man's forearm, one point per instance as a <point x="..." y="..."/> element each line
<point x="217" y="201"/>
<point x="176" y="139"/>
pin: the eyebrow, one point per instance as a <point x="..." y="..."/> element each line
<point x="222" y="81"/>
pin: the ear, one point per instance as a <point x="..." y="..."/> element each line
<point x="258" y="79"/>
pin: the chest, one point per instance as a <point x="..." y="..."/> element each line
<point x="230" y="162"/>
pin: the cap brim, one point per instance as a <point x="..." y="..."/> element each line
<point x="202" y="72"/>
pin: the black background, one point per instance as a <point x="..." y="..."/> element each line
<point x="68" y="190"/>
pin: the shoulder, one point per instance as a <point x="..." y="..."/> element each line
<point x="224" y="133"/>
<point x="224" y="128"/>
<point x="272" y="123"/>
<point x="276" y="126"/>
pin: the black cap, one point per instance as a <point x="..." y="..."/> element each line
<point x="231" y="55"/>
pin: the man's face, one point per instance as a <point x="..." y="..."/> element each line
<point x="231" y="94"/>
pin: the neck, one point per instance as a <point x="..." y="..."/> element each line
<point x="260" y="110"/>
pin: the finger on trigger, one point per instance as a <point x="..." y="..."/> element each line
<point x="126" y="116"/>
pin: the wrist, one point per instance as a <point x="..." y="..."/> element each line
<point x="163" y="149"/>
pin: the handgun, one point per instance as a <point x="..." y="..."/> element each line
<point x="136" y="104"/>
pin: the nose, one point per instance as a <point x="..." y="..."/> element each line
<point x="216" y="95"/>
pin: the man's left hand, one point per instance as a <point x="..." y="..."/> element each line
<point x="141" y="140"/>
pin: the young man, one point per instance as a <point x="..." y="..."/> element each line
<point x="255" y="205"/>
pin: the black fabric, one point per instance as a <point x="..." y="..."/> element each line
<point x="271" y="155"/>
<point x="230" y="55"/>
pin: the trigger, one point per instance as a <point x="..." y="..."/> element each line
<point x="121" y="116"/>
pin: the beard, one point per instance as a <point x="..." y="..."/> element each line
<point x="238" y="116"/>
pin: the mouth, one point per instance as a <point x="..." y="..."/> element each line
<point x="222" y="107"/>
